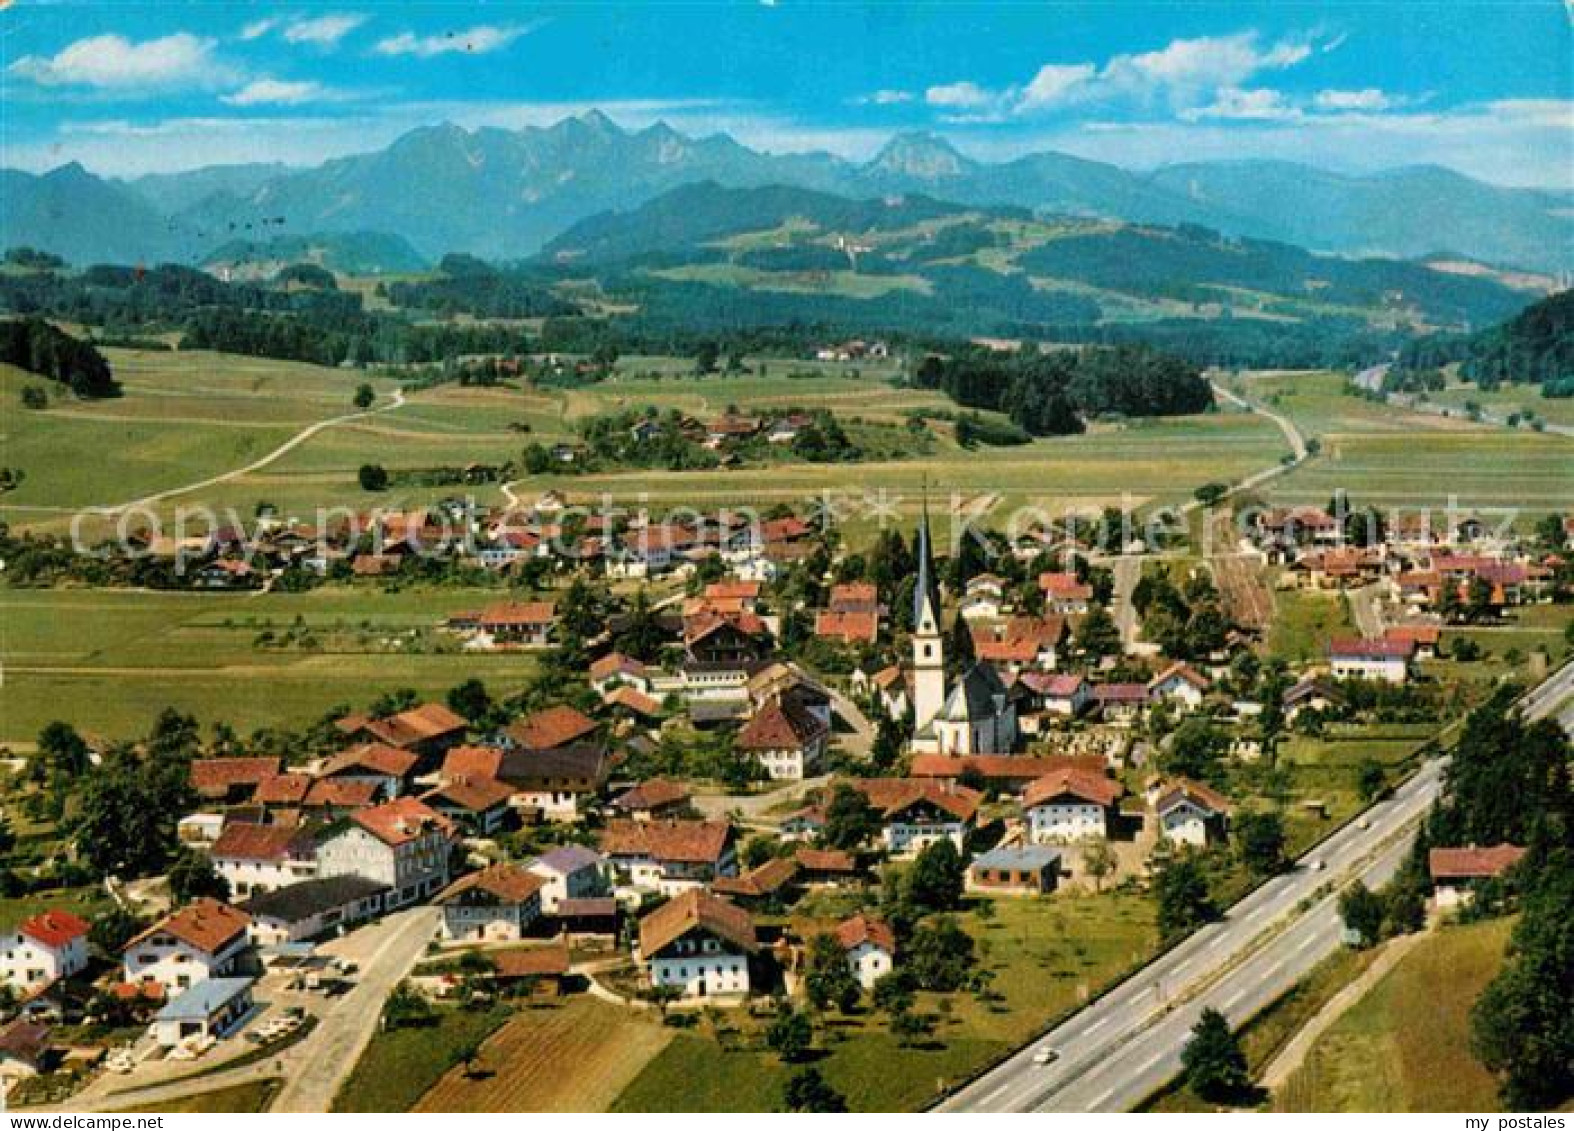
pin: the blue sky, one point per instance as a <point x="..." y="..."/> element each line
<point x="135" y="88"/>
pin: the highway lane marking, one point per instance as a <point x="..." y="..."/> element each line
<point x="998" y="1092"/>
<point x="1312" y="939"/>
<point x="1096" y="1027"/>
<point x="1101" y="1097"/>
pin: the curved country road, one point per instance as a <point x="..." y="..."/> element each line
<point x="283" y="449"/>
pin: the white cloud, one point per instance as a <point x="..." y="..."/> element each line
<point x="258" y="28"/>
<point x="112" y="61"/>
<point x="886" y="98"/>
<point x="1053" y="82"/>
<point x="274" y="92"/>
<point x="959" y="96"/>
<point x="322" y="31"/>
<point x="477" y="41"/>
<point x="1235" y="104"/>
<point x="1369" y="99"/>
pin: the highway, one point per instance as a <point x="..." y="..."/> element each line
<point x="1123" y="1047"/>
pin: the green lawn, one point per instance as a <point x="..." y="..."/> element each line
<point x="246" y="1099"/>
<point x="1303" y="623"/>
<point x="1048" y="956"/>
<point x="401" y="1064"/>
<point x="109" y="660"/>
<point x="1405" y="1046"/>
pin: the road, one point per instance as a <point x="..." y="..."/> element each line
<point x="1365" y="612"/>
<point x="1123" y="1047"/>
<point x="1127" y="570"/>
<point x="1292" y="434"/>
<point x="283" y="449"/>
<point x="1371" y="380"/>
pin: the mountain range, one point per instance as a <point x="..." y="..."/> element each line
<point x="503" y="194"/>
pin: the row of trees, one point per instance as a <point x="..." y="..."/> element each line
<point x="38" y="347"/>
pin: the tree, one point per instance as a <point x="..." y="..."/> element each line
<point x="940" y="956"/>
<point x="1098" y="635"/>
<point x="192" y="876"/>
<point x="1196" y="750"/>
<point x="1183" y="898"/>
<point x="1520" y="1026"/>
<point x="909" y="1028"/>
<point x="1362" y="911"/>
<point x="789" y="1034"/>
<point x="34" y="397"/>
<point x="706" y="357"/>
<point x="471" y="700"/>
<point x="936" y="879"/>
<point x="62" y="750"/>
<point x="829" y="979"/>
<point x="1371" y="780"/>
<point x="406" y="1007"/>
<point x="1259" y="839"/>
<point x="1214" y="1063"/>
<point x="373" y="477"/>
<point x="807" y="1091"/>
<point x="128" y="809"/>
<point x="850" y="820"/>
<point x="365" y="396"/>
<point x="467" y="1055"/>
<point x="1098" y="860"/>
<point x="112" y="929"/>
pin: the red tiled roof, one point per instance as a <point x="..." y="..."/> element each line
<point x="862" y="929"/>
<point x="767" y="879"/>
<point x="654" y="794"/>
<point x="555" y="726"/>
<point x="696" y="908"/>
<point x="894" y="795"/>
<point x="374" y="757"/>
<point x="1002" y="767"/>
<point x="1387" y="649"/>
<point x="852" y="627"/>
<point x="1065" y="586"/>
<point x="508" y="614"/>
<point x="632" y="699"/>
<point x="507" y="883"/>
<point x="1184" y="789"/>
<point x="402" y="819"/>
<point x="1473" y="863"/>
<point x="733" y="590"/>
<point x="418" y="724"/>
<point x="1078" y="783"/>
<point x="282" y="789"/>
<point x="473" y="794"/>
<point x="241" y="840"/>
<point x="340" y="793"/>
<point x="779" y="726"/>
<point x="472" y="762"/>
<point x="1182" y="670"/>
<point x="613" y="664"/>
<point x="214" y="777"/>
<point x="825" y="860"/>
<point x="1052" y="686"/>
<point x="205" y="924"/>
<point x="53" y="928"/>
<point x="547" y="961"/>
<point x="688" y="842"/>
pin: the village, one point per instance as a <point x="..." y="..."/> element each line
<point x="771" y="768"/>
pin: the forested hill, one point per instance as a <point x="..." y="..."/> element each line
<point x="1536" y="346"/>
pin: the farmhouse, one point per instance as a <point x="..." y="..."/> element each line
<point x="1070" y="805"/>
<point x="387" y="768"/>
<point x="916" y="813"/>
<point x="498" y="903"/>
<point x="785" y="739"/>
<point x="668" y="856"/>
<point x="554" y="783"/>
<point x="699" y="945"/>
<point x="479" y="806"/>
<point x="1385" y="660"/>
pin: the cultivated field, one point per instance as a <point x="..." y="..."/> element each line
<point x="524" y="1065"/>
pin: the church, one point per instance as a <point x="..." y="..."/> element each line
<point x="976" y="715"/>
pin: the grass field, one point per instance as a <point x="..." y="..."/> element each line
<point x="1392" y="457"/>
<point x="109" y="660"/>
<point x="522" y="1065"/>
<point x="1048" y="956"/>
<point x="401" y="1064"/>
<point x="1405" y="1046"/>
<point x="1506" y="400"/>
<point x="247" y="1099"/>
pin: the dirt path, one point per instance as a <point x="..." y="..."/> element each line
<point x="283" y="449"/>
<point x="1293" y="1055"/>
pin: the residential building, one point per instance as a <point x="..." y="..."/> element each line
<point x="699" y="945"/>
<point x="312" y="908"/>
<point x="205" y="939"/>
<point x="668" y="856"/>
<point x="1071" y="805"/>
<point x="212" y="1008"/>
<point x="915" y="813"/>
<point x="870" y="946"/>
<point x="786" y="739"/>
<point x="1020" y="869"/>
<point x="1191" y="813"/>
<point x="498" y="903"/>
<point x="1456" y="871"/>
<point x="1386" y="660"/>
<point x="255" y="858"/>
<point x="404" y="844"/>
<point x="569" y="872"/>
<point x="42" y="949"/>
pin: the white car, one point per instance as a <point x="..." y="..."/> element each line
<point x="1046" y="1055"/>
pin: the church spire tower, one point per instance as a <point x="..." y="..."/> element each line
<point x="928" y="645"/>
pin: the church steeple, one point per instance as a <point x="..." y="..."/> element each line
<point x="928" y="645"/>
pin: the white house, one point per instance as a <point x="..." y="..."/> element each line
<point x="870" y="946"/>
<point x="785" y="738"/>
<point x="571" y="871"/>
<point x="403" y="844"/>
<point x="498" y="903"/>
<point x="41" y="950"/>
<point x="1191" y="813"/>
<point x="668" y="856"/>
<point x="1387" y="660"/>
<point x="915" y="813"/>
<point x="1070" y="805"/>
<point x="312" y="908"/>
<point x="205" y="939"/>
<point x="698" y="944"/>
<point x="258" y="858"/>
<point x="1179" y="684"/>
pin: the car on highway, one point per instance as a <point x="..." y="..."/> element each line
<point x="1046" y="1055"/>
